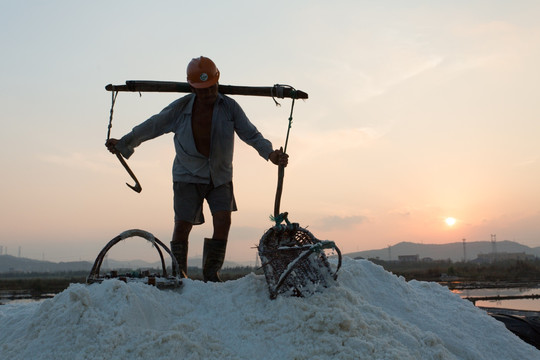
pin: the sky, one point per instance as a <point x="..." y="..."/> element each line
<point x="418" y="111"/>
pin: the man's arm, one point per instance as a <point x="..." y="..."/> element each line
<point x="248" y="133"/>
<point x="155" y="126"/>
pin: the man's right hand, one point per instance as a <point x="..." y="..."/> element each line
<point x="278" y="157"/>
<point x="111" y="145"/>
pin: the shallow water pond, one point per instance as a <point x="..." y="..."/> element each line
<point x="517" y="304"/>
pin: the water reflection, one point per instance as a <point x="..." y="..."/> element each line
<point x="518" y="304"/>
<point x="21" y="297"/>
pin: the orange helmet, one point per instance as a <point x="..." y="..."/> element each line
<point x="202" y="72"/>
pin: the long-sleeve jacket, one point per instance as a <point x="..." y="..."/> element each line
<point x="189" y="165"/>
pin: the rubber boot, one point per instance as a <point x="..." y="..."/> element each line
<point x="180" y="252"/>
<point x="213" y="257"/>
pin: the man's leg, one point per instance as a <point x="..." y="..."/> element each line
<point x="214" y="249"/>
<point x="179" y="244"/>
<point x="222" y="224"/>
<point x="187" y="201"/>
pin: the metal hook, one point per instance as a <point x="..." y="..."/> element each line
<point x="137" y="187"/>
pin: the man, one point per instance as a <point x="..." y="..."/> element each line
<point x="204" y="124"/>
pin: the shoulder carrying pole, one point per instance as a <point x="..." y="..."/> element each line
<point x="279" y="91"/>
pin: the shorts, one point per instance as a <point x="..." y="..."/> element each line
<point x="189" y="197"/>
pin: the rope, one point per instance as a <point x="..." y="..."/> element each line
<point x="114" y="94"/>
<point x="281" y="218"/>
<point x="320" y="246"/>
<point x="279" y="93"/>
<point x="290" y="122"/>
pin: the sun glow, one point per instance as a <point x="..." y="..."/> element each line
<point x="450" y="221"/>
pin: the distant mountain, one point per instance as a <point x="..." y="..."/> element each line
<point x="10" y="263"/>
<point x="452" y="251"/>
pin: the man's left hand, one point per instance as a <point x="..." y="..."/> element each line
<point x="278" y="157"/>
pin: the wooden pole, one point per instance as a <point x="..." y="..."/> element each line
<point x="278" y="91"/>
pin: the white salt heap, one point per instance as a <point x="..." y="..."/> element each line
<point x="369" y="314"/>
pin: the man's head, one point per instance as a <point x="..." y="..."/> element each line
<point x="202" y="73"/>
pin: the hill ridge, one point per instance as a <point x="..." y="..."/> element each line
<point x="453" y="251"/>
<point x="9" y="264"/>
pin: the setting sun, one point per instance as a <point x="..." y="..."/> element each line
<point x="450" y="221"/>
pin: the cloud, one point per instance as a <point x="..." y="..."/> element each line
<point x="486" y="29"/>
<point x="375" y="77"/>
<point x="401" y="212"/>
<point x="394" y="74"/>
<point x="104" y="162"/>
<point x="342" y="222"/>
<point x="527" y="162"/>
<point x="339" y="140"/>
<point x="77" y="160"/>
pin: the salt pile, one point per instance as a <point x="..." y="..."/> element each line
<point x="369" y="314"/>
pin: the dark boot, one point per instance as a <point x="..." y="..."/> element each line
<point x="180" y="252"/>
<point x="213" y="257"/>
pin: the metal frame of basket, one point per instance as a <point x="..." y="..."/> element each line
<point x="163" y="281"/>
<point x="294" y="261"/>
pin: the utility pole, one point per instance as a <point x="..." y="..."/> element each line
<point x="464" y="251"/>
<point x="494" y="247"/>
<point x="389" y="253"/>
